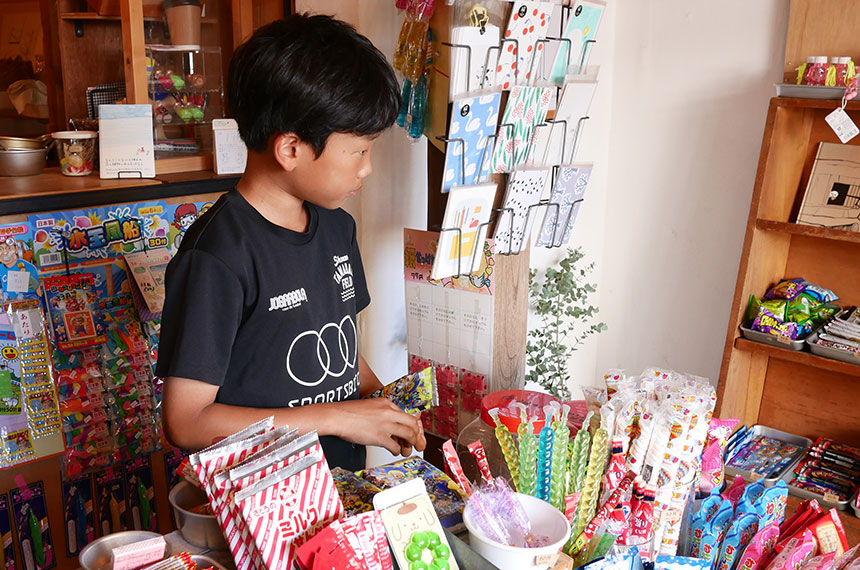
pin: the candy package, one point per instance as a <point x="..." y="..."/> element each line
<point x="766" y="322"/>
<point x="713" y="470"/>
<point x="714" y="531"/>
<point x="795" y="554"/>
<point x="820" y="562"/>
<point x="759" y="548"/>
<point x="743" y="529"/>
<point x="356" y="493"/>
<point x="700" y="522"/>
<point x="664" y="562"/>
<point x="413" y="393"/>
<point x="786" y="289"/>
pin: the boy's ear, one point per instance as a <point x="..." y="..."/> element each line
<point x="286" y="148"/>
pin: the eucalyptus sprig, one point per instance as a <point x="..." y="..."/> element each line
<point x="561" y="299"/>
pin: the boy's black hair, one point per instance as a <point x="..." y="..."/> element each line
<point x="312" y="76"/>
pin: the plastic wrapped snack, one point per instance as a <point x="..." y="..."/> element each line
<point x="356" y="493"/>
<point x="713" y="469"/>
<point x="413" y="393"/>
<point x="786" y="289"/>
<point x="759" y="548"/>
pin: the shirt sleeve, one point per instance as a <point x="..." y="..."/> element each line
<point x="202" y="312"/>
<point x="362" y="296"/>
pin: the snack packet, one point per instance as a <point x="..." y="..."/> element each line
<point x="700" y="519"/>
<point x="713" y="469"/>
<point x="786" y="289"/>
<point x="734" y="493"/>
<point x="356" y="493"/>
<point x="759" y="548"/>
<point x="743" y="529"/>
<point x="413" y="393"/>
<point x="769" y="323"/>
<point x="774" y="500"/>
<point x="714" y="532"/>
<point x="665" y="562"/>
<point x="795" y="554"/>
<point x="820" y="293"/>
<point x="820" y="562"/>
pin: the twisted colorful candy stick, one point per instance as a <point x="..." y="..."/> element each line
<point x="528" y="455"/>
<point x="579" y="462"/>
<point x="559" y="459"/>
<point x="591" y="486"/>
<point x="509" y="448"/>
<point x="544" y="460"/>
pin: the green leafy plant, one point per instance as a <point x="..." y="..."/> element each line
<point x="560" y="297"/>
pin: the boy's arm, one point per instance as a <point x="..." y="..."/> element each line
<point x="369" y="382"/>
<point x="192" y="418"/>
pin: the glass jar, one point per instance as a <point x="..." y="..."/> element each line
<point x="483" y="428"/>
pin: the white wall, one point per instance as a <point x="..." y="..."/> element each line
<point x="692" y="82"/>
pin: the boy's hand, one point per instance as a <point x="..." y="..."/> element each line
<point x="378" y="421"/>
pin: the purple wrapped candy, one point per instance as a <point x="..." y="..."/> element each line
<point x="786" y="289"/>
<point x="766" y="322"/>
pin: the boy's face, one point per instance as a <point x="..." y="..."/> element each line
<point x="337" y="174"/>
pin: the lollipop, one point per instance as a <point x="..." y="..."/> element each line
<point x="559" y="459"/>
<point x="528" y="455"/>
<point x="509" y="449"/>
<point x="591" y="486"/>
<point x="544" y="464"/>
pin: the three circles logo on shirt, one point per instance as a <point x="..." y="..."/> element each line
<point x="343" y="276"/>
<point x="335" y="347"/>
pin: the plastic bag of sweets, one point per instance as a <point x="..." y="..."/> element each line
<point x="769" y="323"/>
<point x="795" y="554"/>
<point x="820" y="562"/>
<point x="743" y="529"/>
<point x="820" y="293"/>
<point x="806" y="512"/>
<point x="759" y="548"/>
<point x="355" y="493"/>
<point x="786" y="289"/>
<point x="666" y="562"/>
<point x="287" y="507"/>
<point x="713" y="469"/>
<point x="714" y="532"/>
<point x="413" y="393"/>
<point x="700" y="519"/>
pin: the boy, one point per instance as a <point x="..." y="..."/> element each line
<point x="262" y="297"/>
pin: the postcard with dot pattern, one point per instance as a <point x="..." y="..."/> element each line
<point x="524" y="190"/>
<point x="529" y="23"/>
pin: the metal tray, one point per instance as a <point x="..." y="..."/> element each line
<point x="758" y="430"/>
<point x="788" y="477"/>
<point x="808" y="91"/>
<point x="828" y="352"/>
<point x="772" y="340"/>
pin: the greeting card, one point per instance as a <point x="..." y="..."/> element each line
<point x="529" y="23"/>
<point x="556" y="142"/>
<point x="514" y="226"/>
<point x="527" y="107"/>
<point x="468" y="210"/>
<point x="473" y="120"/>
<point x="473" y="67"/>
<point x="568" y="192"/>
<point x="582" y="26"/>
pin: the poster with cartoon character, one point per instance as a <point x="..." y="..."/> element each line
<point x="179" y="218"/>
<point x="19" y="278"/>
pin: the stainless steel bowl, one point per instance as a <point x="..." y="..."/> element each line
<point x="199" y="530"/>
<point x="24" y="142"/>
<point x="97" y="554"/>
<point x="22" y="161"/>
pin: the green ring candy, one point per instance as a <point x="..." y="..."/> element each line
<point x="428" y="541"/>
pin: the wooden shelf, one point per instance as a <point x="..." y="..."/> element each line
<point x="51" y="181"/>
<point x="808" y="231"/>
<point x="815" y="103"/>
<point x="799" y="357"/>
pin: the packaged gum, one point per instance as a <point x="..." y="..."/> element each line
<point x="282" y="509"/>
<point x="759" y="548"/>
<point x="795" y="554"/>
<point x="743" y="529"/>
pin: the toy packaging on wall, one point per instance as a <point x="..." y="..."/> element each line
<point x="8" y="544"/>
<point x="31" y="526"/>
<point x="110" y="501"/>
<point x="78" y="513"/>
<point x="141" y="496"/>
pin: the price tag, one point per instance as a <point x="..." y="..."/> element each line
<point x="842" y="125"/>
<point x="830" y="497"/>
<point x="783" y="339"/>
<point x="17" y="281"/>
<point x="28" y="324"/>
<point x="756" y="476"/>
<point x="546" y="559"/>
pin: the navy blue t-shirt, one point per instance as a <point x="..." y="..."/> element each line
<point x="266" y="313"/>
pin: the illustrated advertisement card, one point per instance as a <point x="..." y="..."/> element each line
<point x="583" y="24"/>
<point x="568" y="192"/>
<point x="19" y="278"/>
<point x="75" y="318"/>
<point x="147" y="269"/>
<point x="528" y="23"/>
<point x="78" y="513"/>
<point x="31" y="525"/>
<point x="523" y="192"/>
<point x="126" y="148"/>
<point x="832" y="197"/>
<point x="470" y="68"/>
<point x="110" y="501"/>
<point x="141" y="493"/>
<point x="527" y="107"/>
<point x="473" y="121"/>
<point x="406" y="511"/>
<point x="556" y="142"/>
<point x="468" y="210"/>
<point x="9" y="560"/>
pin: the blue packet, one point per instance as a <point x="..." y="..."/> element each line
<point x="627" y="560"/>
<point x="774" y="499"/>
<point x="742" y="530"/>
<point x="715" y="531"/>
<point x="665" y="562"/>
<point x="749" y="499"/>
<point x="700" y="519"/>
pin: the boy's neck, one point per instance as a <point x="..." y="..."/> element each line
<point x="265" y="189"/>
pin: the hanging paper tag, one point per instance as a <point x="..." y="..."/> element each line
<point x="17" y="281"/>
<point x="842" y="125"/>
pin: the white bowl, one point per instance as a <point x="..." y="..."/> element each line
<point x="545" y="520"/>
